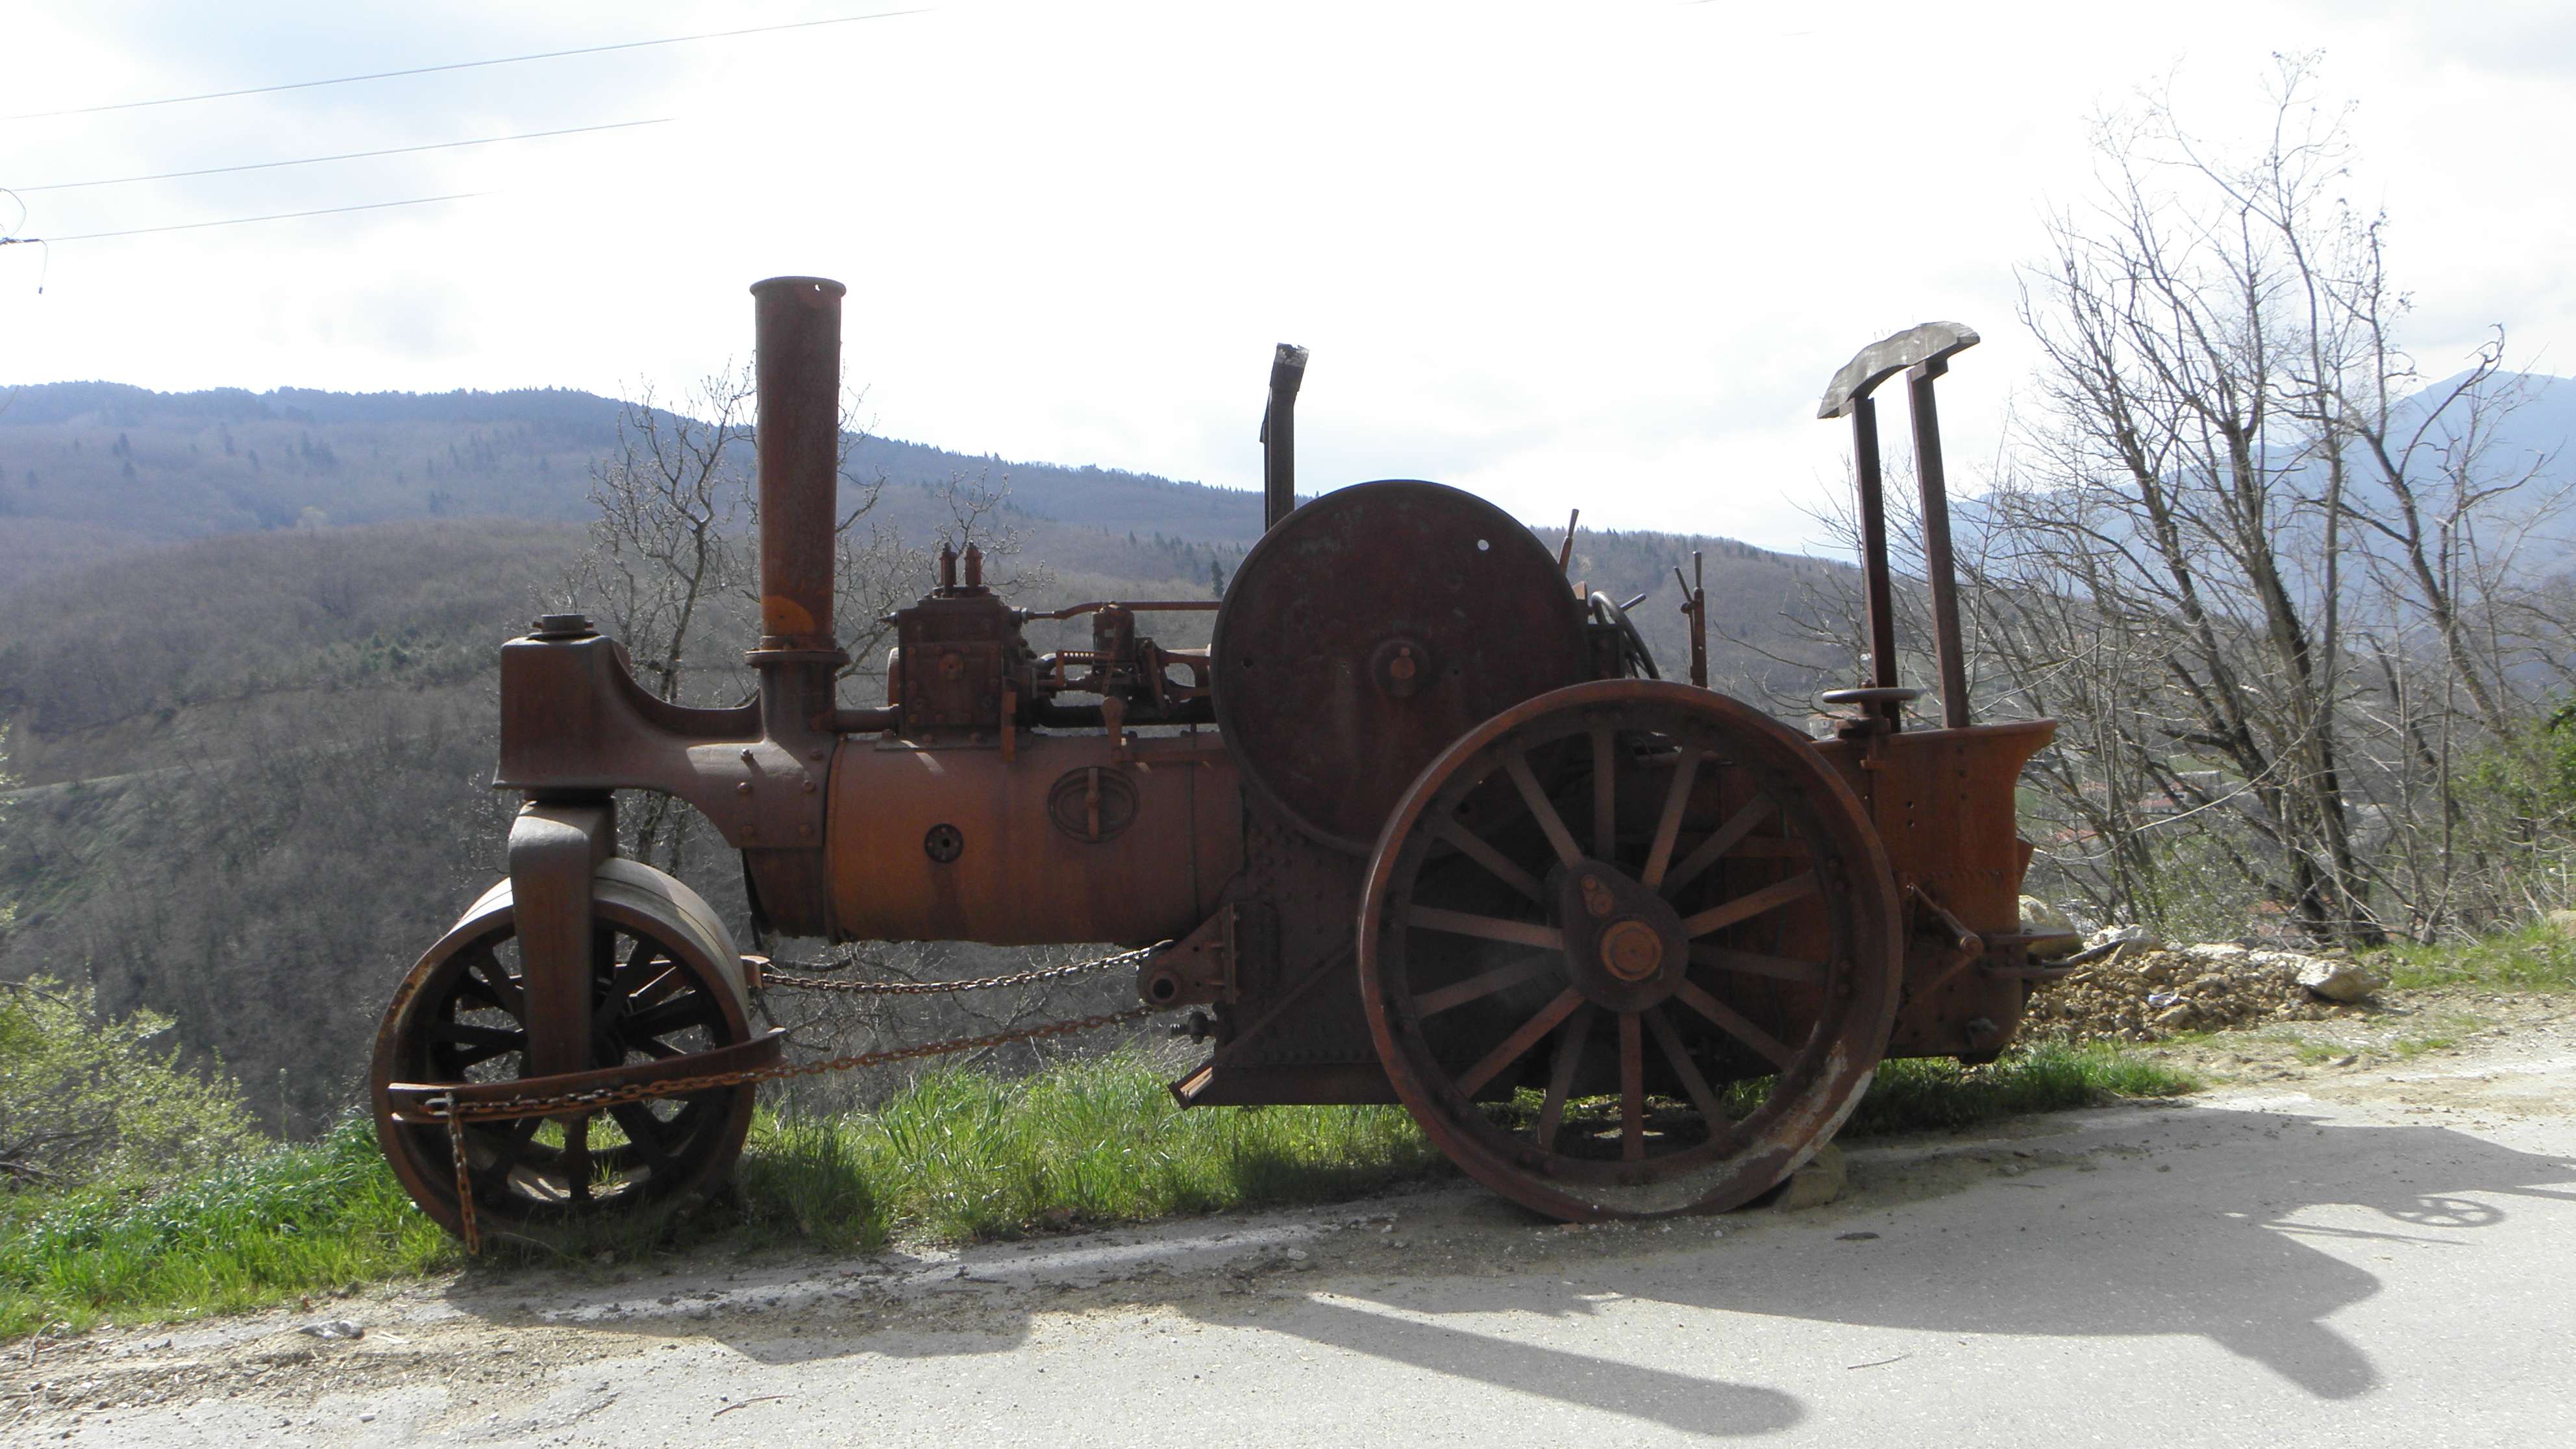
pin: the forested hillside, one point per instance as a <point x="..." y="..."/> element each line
<point x="90" y="469"/>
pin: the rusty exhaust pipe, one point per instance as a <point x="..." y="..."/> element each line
<point x="1279" y="436"/>
<point x="797" y="343"/>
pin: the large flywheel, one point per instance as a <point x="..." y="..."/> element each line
<point x="1371" y="628"/>
<point x="1628" y="949"/>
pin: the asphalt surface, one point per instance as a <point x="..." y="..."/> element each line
<point x="2352" y="1259"/>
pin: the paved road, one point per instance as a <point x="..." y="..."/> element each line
<point x="2368" y="1259"/>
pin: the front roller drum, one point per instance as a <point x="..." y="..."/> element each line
<point x="1629" y="949"/>
<point x="666" y="983"/>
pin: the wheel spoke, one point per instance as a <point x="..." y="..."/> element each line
<point x="1632" y="1089"/>
<point x="1753" y="963"/>
<point x="1605" y="793"/>
<point x="1746" y="907"/>
<point x="632" y="970"/>
<point x="1474" y="988"/>
<point x="661" y="985"/>
<point x="484" y="977"/>
<point x="1733" y="1023"/>
<point x="644" y="1130"/>
<point x="1545" y="811"/>
<point x="677" y="1014"/>
<point x="1669" y="827"/>
<point x="511" y="1142"/>
<point x="576" y="1157"/>
<point x="1490" y="928"/>
<point x="1520" y="1041"/>
<point x="1482" y="852"/>
<point x="471" y="1044"/>
<point x="1693" y="1083"/>
<point x="1737" y="826"/>
<point x="462" y="1033"/>
<point x="1560" y="1077"/>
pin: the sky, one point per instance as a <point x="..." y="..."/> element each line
<point x="1598" y="254"/>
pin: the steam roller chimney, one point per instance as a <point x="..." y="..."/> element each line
<point x="797" y="330"/>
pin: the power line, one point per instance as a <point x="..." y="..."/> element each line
<point x="463" y="65"/>
<point x="345" y="156"/>
<point x="241" y="220"/>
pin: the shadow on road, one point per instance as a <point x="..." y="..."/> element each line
<point x="2216" y="1247"/>
<point x="2203" y="1222"/>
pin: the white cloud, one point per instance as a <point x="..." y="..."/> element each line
<point x="1559" y="253"/>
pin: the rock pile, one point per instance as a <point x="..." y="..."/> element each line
<point x="2144" y="990"/>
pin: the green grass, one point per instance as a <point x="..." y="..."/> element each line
<point x="1936" y="1094"/>
<point x="957" y="1157"/>
<point x="2535" y="959"/>
<point x="254" y="1232"/>
<point x="962" y="1156"/>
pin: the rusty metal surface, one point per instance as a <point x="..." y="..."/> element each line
<point x="1878" y="590"/>
<point x="1368" y="630"/>
<point x="797" y="326"/>
<point x="668" y="983"/>
<point x="554" y="851"/>
<point x="1018" y="876"/>
<point x="1279" y="435"/>
<point x="1436" y="851"/>
<point x="1940" y="571"/>
<point x="1923" y="353"/>
<point x="1632" y="888"/>
<point x="418" y="1103"/>
<point x="1941" y="801"/>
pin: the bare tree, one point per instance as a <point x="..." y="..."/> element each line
<point x="2271" y="584"/>
<point x="671" y="569"/>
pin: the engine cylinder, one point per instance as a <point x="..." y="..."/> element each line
<point x="1063" y="843"/>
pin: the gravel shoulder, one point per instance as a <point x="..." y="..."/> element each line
<point x="2253" y="1240"/>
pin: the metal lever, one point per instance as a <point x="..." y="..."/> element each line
<point x="1279" y="435"/>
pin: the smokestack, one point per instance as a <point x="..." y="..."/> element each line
<point x="797" y="331"/>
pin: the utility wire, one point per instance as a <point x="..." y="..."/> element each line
<point x="464" y="65"/>
<point x="345" y="156"/>
<point x="241" y="220"/>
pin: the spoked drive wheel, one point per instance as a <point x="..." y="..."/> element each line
<point x="1629" y="949"/>
<point x="665" y="981"/>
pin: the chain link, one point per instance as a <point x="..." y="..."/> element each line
<point x="940" y="988"/>
<point x="464" y="1179"/>
<point x="456" y="1114"/>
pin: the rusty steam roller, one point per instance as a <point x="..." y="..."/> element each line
<point x="1420" y="825"/>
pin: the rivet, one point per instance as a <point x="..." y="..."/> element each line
<point x="744" y="788"/>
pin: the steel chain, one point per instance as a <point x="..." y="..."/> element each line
<point x="464" y="1179"/>
<point x="456" y="1114"/>
<point x="940" y="988"/>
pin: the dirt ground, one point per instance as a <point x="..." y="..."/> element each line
<point x="509" y="1354"/>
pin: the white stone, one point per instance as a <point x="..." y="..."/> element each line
<point x="1820" y="1181"/>
<point x="2339" y="980"/>
<point x="2129" y="938"/>
<point x="2038" y="917"/>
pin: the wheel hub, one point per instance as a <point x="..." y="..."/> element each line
<point x="1624" y="946"/>
<point x="1631" y="950"/>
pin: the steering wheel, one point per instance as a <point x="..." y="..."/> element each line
<point x="1632" y="645"/>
